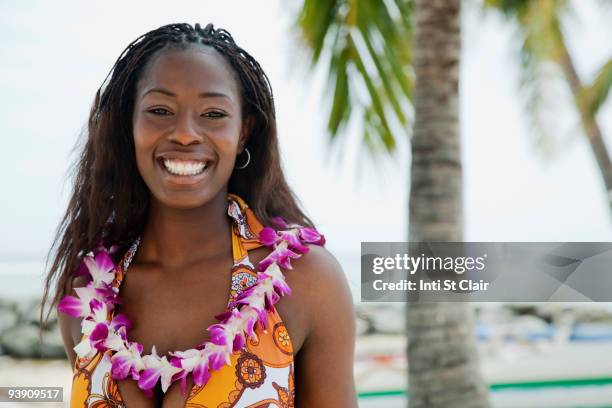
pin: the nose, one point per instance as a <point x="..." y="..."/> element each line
<point x="186" y="131"/>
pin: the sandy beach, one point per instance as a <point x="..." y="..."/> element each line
<point x="380" y="373"/>
<point x="35" y="373"/>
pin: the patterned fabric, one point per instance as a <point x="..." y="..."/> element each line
<point x="261" y="374"/>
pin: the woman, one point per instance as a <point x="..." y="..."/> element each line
<point x="169" y="257"/>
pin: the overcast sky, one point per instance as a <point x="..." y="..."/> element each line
<point x="56" y="54"/>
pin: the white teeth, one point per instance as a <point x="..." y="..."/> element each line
<point x="182" y="168"/>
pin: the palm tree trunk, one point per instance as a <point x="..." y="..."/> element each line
<point x="443" y="362"/>
<point x="589" y="123"/>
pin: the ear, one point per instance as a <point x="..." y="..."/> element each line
<point x="247" y="127"/>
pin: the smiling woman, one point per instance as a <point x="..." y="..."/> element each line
<point x="180" y="182"/>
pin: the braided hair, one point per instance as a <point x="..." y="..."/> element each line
<point x="110" y="200"/>
<point x="247" y="70"/>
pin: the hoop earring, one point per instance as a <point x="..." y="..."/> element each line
<point x="248" y="160"/>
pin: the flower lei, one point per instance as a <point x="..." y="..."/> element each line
<point x="97" y="299"/>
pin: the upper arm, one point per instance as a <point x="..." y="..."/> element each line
<point x="70" y="327"/>
<point x="65" y="326"/>
<point x="324" y="364"/>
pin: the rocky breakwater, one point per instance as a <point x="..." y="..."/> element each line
<point x="20" y="331"/>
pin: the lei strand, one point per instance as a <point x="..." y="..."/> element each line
<point x="97" y="299"/>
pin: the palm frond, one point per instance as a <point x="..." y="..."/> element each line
<point x="315" y="21"/>
<point x="364" y="44"/>
<point x="595" y="95"/>
<point x="539" y="33"/>
<point x="341" y="107"/>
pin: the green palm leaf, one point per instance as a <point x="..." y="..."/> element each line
<point x="538" y="25"/>
<point x="544" y="45"/>
<point x="596" y="94"/>
<point x="365" y="45"/>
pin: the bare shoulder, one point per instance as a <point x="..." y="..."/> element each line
<point x="319" y="271"/>
<point x="320" y="290"/>
<point x="316" y="271"/>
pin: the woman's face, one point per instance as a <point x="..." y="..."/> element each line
<point x="187" y="126"/>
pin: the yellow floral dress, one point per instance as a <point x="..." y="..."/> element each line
<point x="261" y="374"/>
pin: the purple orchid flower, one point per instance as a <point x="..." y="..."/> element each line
<point x="78" y="306"/>
<point x="312" y="236"/>
<point x="194" y="361"/>
<point x="269" y="237"/>
<point x="230" y="332"/>
<point x="120" y="320"/>
<point x="280" y="255"/>
<point x="218" y="355"/>
<point x="127" y="361"/>
<point x="102" y="334"/>
<point x="274" y="273"/>
<point x="156" y="368"/>
<point x="255" y="303"/>
<point x="98" y="336"/>
<point x="101" y="268"/>
<point x="306" y="234"/>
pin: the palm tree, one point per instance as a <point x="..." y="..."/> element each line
<point x="369" y="44"/>
<point x="543" y="44"/>
<point x="443" y="361"/>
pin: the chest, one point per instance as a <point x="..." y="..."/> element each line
<point x="171" y="309"/>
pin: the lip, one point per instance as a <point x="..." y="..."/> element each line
<point x="183" y="180"/>
<point x="184" y="157"/>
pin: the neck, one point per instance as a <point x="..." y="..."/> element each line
<point x="175" y="237"/>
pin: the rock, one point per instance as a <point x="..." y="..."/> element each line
<point x="33" y="315"/>
<point x="28" y="312"/>
<point x="7" y="304"/>
<point x="8" y="319"/>
<point x="24" y="307"/>
<point x="53" y="344"/>
<point x="22" y="341"/>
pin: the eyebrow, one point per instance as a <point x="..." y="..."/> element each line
<point x="209" y="94"/>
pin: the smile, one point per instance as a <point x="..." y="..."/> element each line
<point x="184" y="167"/>
<point x="184" y="172"/>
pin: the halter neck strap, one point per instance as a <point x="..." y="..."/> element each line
<point x="245" y="234"/>
<point x="245" y="228"/>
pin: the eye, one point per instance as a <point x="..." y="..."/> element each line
<point x="159" y="111"/>
<point x="214" y="114"/>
